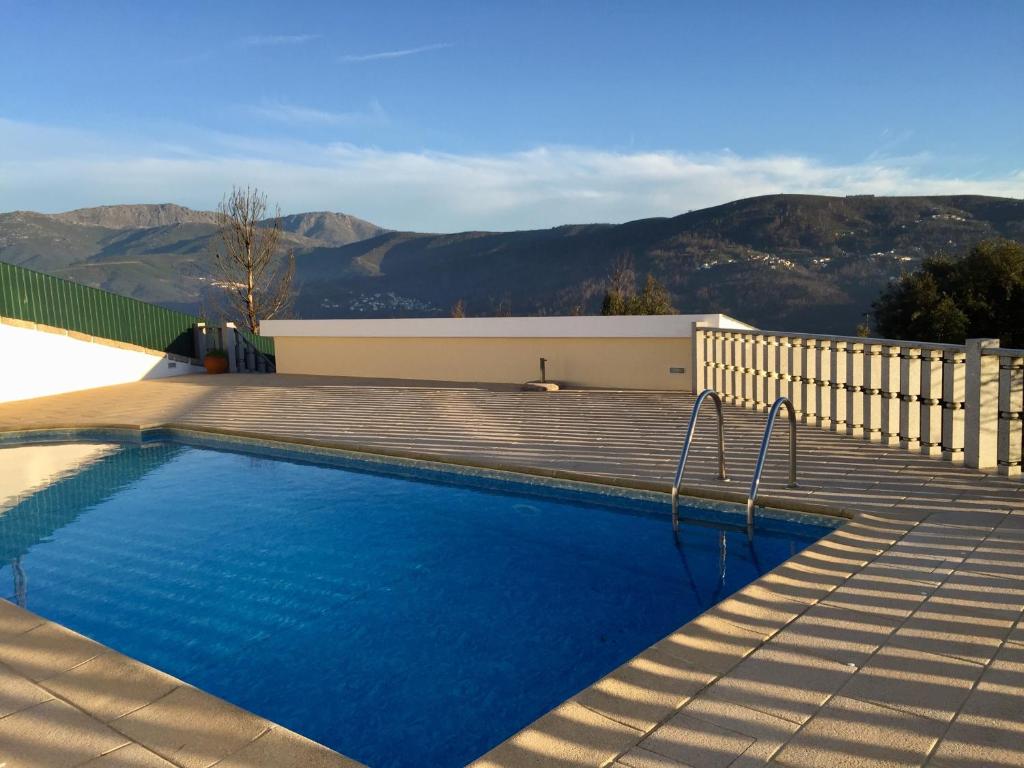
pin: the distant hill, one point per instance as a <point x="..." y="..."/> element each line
<point x="799" y="262"/>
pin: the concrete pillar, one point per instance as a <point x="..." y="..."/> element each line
<point x="747" y="364"/>
<point x="931" y="402"/>
<point x="873" y="392"/>
<point x="809" y="353"/>
<point x="855" y="389"/>
<point x="890" y="394"/>
<point x="837" y="381"/>
<point x="796" y="374"/>
<point x="910" y="398"/>
<point x="823" y="390"/>
<point x="733" y="379"/>
<point x="698" y="355"/>
<point x="782" y="367"/>
<point x="771" y="369"/>
<point x="760" y="376"/>
<point x="231" y="347"/>
<point x="1010" y="443"/>
<point x="953" y="399"/>
<point x="981" y="420"/>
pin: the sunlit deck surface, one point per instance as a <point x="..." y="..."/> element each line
<point x="896" y="641"/>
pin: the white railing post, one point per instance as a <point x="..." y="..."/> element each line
<point x="230" y="346"/>
<point x="953" y="400"/>
<point x="771" y="370"/>
<point x="838" y="384"/>
<point x="931" y="402"/>
<point x="823" y="389"/>
<point x="733" y="378"/>
<point x="697" y="355"/>
<point x="891" y="403"/>
<point x="809" y="383"/>
<point x="761" y="374"/>
<point x="981" y="420"/>
<point x="796" y="375"/>
<point x="873" y="392"/>
<point x="1011" y="414"/>
<point x="782" y="367"/>
<point x="910" y="395"/>
<point x="855" y="389"/>
<point x="749" y="371"/>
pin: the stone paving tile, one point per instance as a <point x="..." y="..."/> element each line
<point x="46" y="651"/>
<point x="570" y="735"/>
<point x="111" y="685"/>
<point x="758" y="610"/>
<point x="911" y="681"/>
<point x="14" y="621"/>
<point x="645" y="690"/>
<point x="889" y="595"/>
<point x="842" y="635"/>
<point x="18" y="693"/>
<point x="769" y="733"/>
<point x="697" y="742"/>
<point x="279" y="748"/>
<point x="710" y="644"/>
<point x="989" y="731"/>
<point x="190" y="728"/>
<point x="782" y="682"/>
<point x="642" y="758"/>
<point x="53" y="735"/>
<point x="129" y="756"/>
<point x="848" y="733"/>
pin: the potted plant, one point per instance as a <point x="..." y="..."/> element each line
<point x="216" y="361"/>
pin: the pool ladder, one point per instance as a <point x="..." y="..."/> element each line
<point x="773" y="414"/>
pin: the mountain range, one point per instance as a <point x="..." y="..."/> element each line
<point x="788" y="262"/>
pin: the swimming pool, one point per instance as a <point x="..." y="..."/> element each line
<point x="400" y="620"/>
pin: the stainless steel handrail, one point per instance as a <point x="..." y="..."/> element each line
<point x="772" y="414"/>
<point x="686" y="448"/>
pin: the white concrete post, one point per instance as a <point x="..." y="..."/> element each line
<point x="953" y="397"/>
<point x="771" y="375"/>
<point x="782" y="367"/>
<point x="747" y="361"/>
<point x="796" y="374"/>
<point x="931" y="402"/>
<point x="855" y="389"/>
<point x="838" y="384"/>
<point x="981" y="420"/>
<point x="809" y="353"/>
<point x="823" y="390"/>
<point x="231" y="347"/>
<point x="1011" y="415"/>
<point x="717" y="357"/>
<point x="760" y="375"/>
<point x="890" y="394"/>
<point x="910" y="398"/>
<point x="697" y="355"/>
<point x="733" y="385"/>
<point x="873" y="392"/>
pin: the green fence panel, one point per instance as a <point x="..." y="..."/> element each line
<point x="40" y="298"/>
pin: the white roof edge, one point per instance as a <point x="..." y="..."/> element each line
<point x="590" y="326"/>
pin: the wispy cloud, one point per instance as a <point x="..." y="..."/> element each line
<point x="394" y="54"/>
<point x="46" y="168"/>
<point x="253" y="41"/>
<point x="295" y="114"/>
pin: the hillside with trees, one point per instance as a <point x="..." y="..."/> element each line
<point x="786" y="262"/>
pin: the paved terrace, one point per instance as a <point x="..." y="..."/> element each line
<point x="896" y="641"/>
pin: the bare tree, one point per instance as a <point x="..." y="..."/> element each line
<point x="248" y="263"/>
<point x="459" y="309"/>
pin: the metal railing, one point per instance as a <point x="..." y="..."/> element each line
<point x="686" y="448"/>
<point x="759" y="468"/>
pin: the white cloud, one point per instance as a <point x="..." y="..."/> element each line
<point x="295" y="114"/>
<point x="394" y="54"/>
<point x="50" y="169"/>
<point x="253" y="41"/>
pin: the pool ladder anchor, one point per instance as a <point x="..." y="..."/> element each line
<point x="773" y="414"/>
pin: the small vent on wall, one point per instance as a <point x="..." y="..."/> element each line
<point x="172" y="364"/>
<point x="677" y="370"/>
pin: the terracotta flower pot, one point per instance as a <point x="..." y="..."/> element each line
<point x="215" y="364"/>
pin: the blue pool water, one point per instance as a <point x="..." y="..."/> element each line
<point x="399" y="621"/>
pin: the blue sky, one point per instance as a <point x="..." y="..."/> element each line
<point x="459" y="115"/>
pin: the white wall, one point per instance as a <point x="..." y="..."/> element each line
<point x="568" y="327"/>
<point x="35" y="363"/>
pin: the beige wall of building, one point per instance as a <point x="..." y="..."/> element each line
<point x="618" y="363"/>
